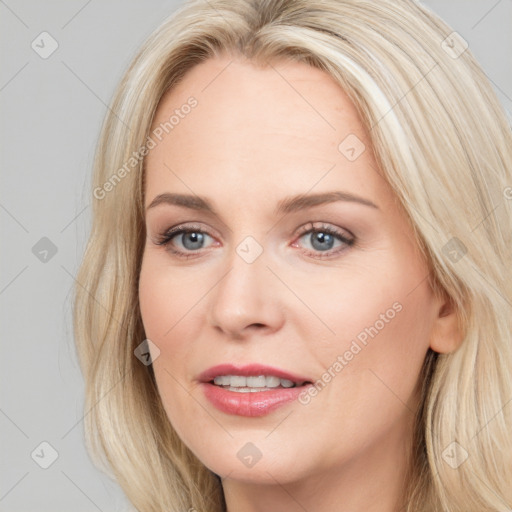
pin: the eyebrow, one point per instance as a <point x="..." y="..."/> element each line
<point x="287" y="205"/>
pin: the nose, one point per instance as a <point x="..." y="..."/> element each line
<point x="246" y="299"/>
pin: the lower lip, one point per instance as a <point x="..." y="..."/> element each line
<point x="253" y="403"/>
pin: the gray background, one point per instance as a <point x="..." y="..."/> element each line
<point x="51" y="111"/>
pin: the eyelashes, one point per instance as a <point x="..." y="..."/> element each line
<point x="318" y="235"/>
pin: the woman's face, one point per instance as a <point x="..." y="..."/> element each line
<point x="297" y="259"/>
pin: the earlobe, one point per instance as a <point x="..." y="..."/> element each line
<point x="447" y="332"/>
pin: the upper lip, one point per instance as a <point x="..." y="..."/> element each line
<point x="248" y="370"/>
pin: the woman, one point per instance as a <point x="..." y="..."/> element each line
<point x="297" y="292"/>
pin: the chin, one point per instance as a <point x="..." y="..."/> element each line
<point x="259" y="462"/>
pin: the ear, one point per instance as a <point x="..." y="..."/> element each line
<point x="447" y="333"/>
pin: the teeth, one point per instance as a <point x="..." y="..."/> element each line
<point x="257" y="382"/>
<point x="237" y="381"/>
<point x="222" y="380"/>
<point x="272" y="381"/>
<point x="253" y="382"/>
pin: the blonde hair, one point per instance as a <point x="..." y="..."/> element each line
<point x="444" y="143"/>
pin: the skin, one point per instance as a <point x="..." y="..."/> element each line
<point x="257" y="136"/>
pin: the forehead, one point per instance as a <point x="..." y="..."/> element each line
<point x="253" y="126"/>
<point x="233" y="92"/>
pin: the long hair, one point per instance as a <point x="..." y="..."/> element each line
<point x="444" y="144"/>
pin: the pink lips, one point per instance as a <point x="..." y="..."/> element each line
<point x="256" y="403"/>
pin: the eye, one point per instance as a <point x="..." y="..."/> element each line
<point x="324" y="240"/>
<point x="187" y="239"/>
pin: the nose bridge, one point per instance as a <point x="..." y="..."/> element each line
<point x="247" y="293"/>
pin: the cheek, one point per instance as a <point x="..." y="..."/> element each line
<point x="401" y="346"/>
<point x="380" y="321"/>
<point x="364" y="304"/>
<point x="170" y="307"/>
<point x="168" y="299"/>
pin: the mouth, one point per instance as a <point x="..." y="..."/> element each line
<point x="251" y="384"/>
<point x="251" y="376"/>
<point x="251" y="390"/>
